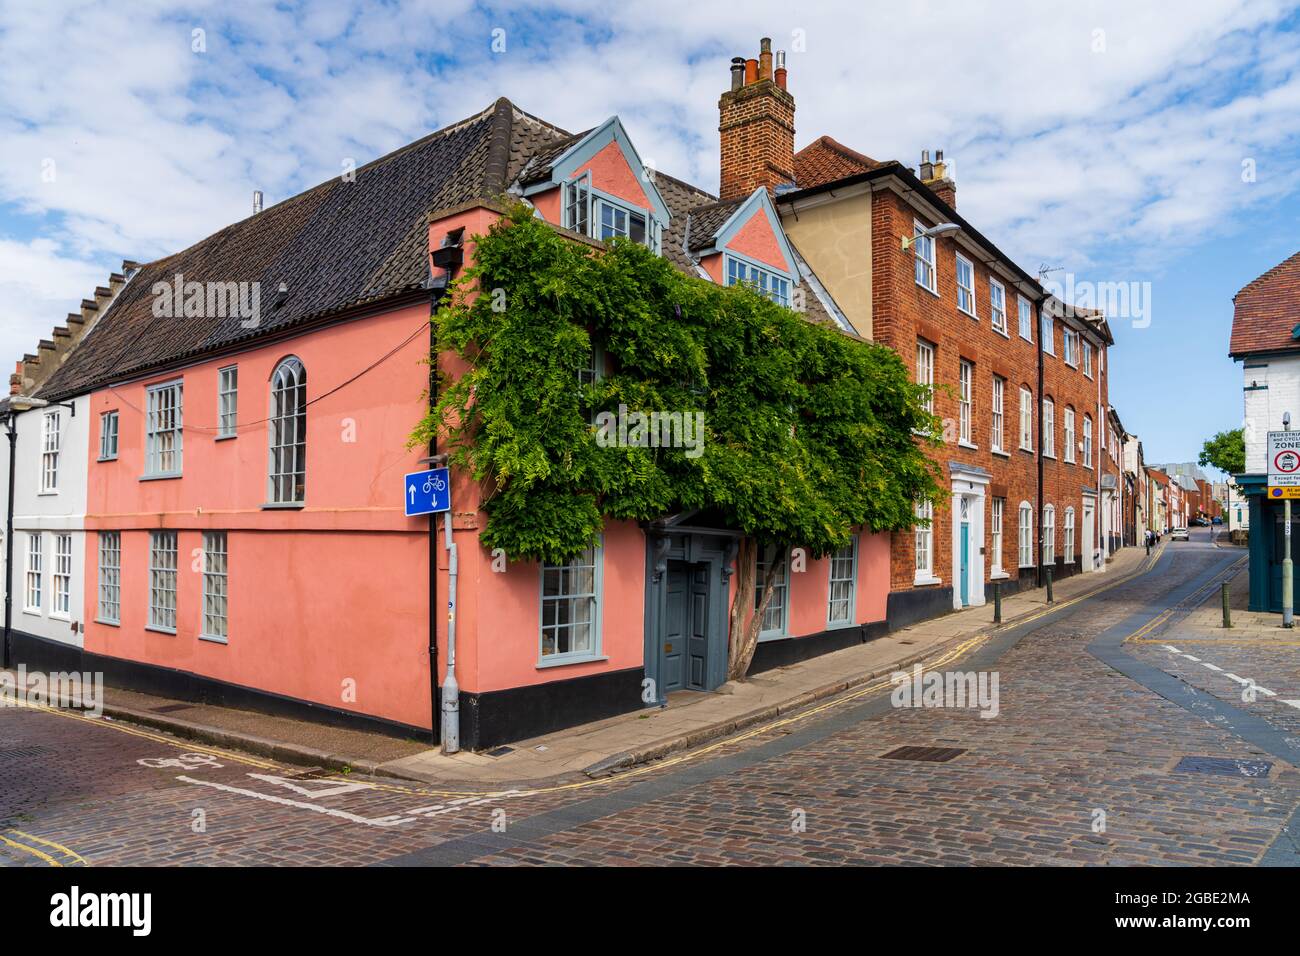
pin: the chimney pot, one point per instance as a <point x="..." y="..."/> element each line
<point x="737" y="72"/>
<point x="780" y="69"/>
<point x="751" y="71"/>
<point x="257" y="201"/>
<point x="765" y="58"/>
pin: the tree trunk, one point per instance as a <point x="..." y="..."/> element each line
<point x="742" y="634"/>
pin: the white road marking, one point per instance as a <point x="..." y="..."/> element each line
<point x="1239" y="680"/>
<point x="1170" y="647"/>
<point x="1265" y="691"/>
<point x="1293" y="703"/>
<point x="314" y="789"/>
<point x="389" y="821"/>
<point x="1191" y="658"/>
<point x="1213" y="667"/>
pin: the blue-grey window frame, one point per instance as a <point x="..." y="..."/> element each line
<point x="853" y="588"/>
<point x="598" y="593"/>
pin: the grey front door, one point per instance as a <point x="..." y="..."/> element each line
<point x="684" y="634"/>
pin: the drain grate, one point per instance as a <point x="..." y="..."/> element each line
<point x="1224" y="766"/>
<point x="499" y="751"/>
<point x="926" y="754"/>
<point x="171" y="708"/>
<point x="20" y="752"/>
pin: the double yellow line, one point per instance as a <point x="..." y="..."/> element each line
<point x="1188" y="603"/>
<point x="67" y="855"/>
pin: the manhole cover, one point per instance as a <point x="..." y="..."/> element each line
<point x="19" y="752"/>
<point x="1224" y="767"/>
<point x="927" y="754"/>
<point x="171" y="708"/>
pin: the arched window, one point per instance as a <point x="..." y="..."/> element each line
<point x="1025" y="534"/>
<point x="288" y="431"/>
<point x="1069" y="535"/>
<point x="1049" y="535"/>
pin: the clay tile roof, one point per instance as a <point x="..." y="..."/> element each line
<point x="707" y="220"/>
<point x="824" y="160"/>
<point x="1267" y="310"/>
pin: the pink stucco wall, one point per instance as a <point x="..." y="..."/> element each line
<point x="757" y="240"/>
<point x="611" y="173"/>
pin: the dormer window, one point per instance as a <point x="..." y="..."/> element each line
<point x="618" y="221"/>
<point x="775" y="287"/>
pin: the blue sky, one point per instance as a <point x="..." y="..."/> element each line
<point x="1109" y="139"/>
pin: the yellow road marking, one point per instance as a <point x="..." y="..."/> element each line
<point x="32" y="850"/>
<point x="50" y="843"/>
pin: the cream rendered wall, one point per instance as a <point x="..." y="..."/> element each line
<point x="834" y="238"/>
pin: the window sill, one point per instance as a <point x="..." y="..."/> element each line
<point x="1048" y="454"/>
<point x="927" y="580"/>
<point x="962" y="443"/>
<point x="47" y="494"/>
<point x="1000" y="453"/>
<point x="1027" y="451"/>
<point x="1002" y="332"/>
<point x="772" y="636"/>
<point x="998" y="576"/>
<point x="213" y="640"/>
<point x="100" y="620"/>
<point x="839" y="625"/>
<point x="1026" y="338"/>
<point x="968" y="314"/>
<point x="932" y="292"/>
<point x="34" y="612"/>
<point x="100" y="461"/>
<point x="66" y="618"/>
<point x="225" y="437"/>
<point x="167" y="477"/>
<point x="170" y="631"/>
<point x="566" y="661"/>
<point x="284" y="506"/>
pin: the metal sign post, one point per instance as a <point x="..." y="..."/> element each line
<point x="1284" y="471"/>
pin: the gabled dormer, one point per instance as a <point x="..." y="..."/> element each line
<point x="742" y="241"/>
<point x="595" y="183"/>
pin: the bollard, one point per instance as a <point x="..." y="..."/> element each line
<point x="1227" y="611"/>
<point x="1050" y="599"/>
<point x="997" y="602"/>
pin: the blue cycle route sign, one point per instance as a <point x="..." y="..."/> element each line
<point x="427" y="492"/>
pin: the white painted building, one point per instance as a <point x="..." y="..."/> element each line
<point x="1271" y="389"/>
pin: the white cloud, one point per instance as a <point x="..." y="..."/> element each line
<point x="1066" y="154"/>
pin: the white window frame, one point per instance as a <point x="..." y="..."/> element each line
<point x="563" y="596"/>
<point x="966" y="394"/>
<point x="1025" y="317"/>
<point x="997" y="436"/>
<point x="923" y="545"/>
<point x="766" y="282"/>
<point x="165" y="429"/>
<point x="1049" y="428"/>
<point x="1068" y="549"/>
<point x="1087" y="358"/>
<point x="923" y="252"/>
<point x="780" y="603"/>
<point x="228" y="402"/>
<point x="1087" y="441"/>
<point x="1026" y="419"/>
<point x="836" y="599"/>
<point x="998" y="306"/>
<point x="1025" y="535"/>
<point x="1069" y="346"/>
<point x="109" y="425"/>
<point x="965" y="293"/>
<point x="1049" y="535"/>
<point x="215" y="622"/>
<point x="1067" y="452"/>
<point x="287" y="434"/>
<point x="33" y="591"/>
<point x="925" y="353"/>
<point x="996" y="509"/>
<point x="1047" y="332"/>
<point x="109" y="606"/>
<point x="163" y="603"/>
<point x="51" y="449"/>
<point x="61" y="578"/>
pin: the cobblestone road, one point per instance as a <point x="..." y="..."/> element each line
<point x="1077" y="767"/>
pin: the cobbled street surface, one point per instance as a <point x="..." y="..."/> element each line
<point x="1077" y="767"/>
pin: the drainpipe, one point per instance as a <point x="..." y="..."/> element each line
<point x="1038" y="450"/>
<point x="9" y="538"/>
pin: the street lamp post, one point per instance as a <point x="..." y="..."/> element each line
<point x="1288" y="601"/>
<point x="9" y="536"/>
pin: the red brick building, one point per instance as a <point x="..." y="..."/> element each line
<point x="1019" y="379"/>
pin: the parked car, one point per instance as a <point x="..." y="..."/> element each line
<point x="1180" y="534"/>
<point x="1216" y="520"/>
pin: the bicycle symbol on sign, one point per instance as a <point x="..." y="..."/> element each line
<point x="434" y="483"/>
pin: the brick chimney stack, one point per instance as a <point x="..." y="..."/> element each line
<point x="938" y="177"/>
<point x="756" y="126"/>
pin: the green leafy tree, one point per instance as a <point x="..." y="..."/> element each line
<point x="1225" y="451"/>
<point x="809" y="433"/>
